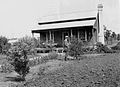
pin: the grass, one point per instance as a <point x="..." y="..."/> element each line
<point x="99" y="71"/>
<point x="88" y="72"/>
<point x="2" y="59"/>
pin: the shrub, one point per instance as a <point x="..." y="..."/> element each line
<point x="6" y="67"/>
<point x="50" y="56"/>
<point x="17" y="57"/>
<point x="43" y="59"/>
<point x="75" y="47"/>
<point x="4" y="45"/>
<point x="117" y="47"/>
<point x="103" y="48"/>
<point x="35" y="61"/>
<point x="118" y="37"/>
<point x="88" y="50"/>
<point x="27" y="43"/>
<point x="59" y="45"/>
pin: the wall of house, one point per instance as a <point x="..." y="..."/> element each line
<point x="75" y="32"/>
<point x="89" y="34"/>
<point x="81" y="34"/>
<point x="58" y="37"/>
<point x="43" y="36"/>
<point x="85" y="34"/>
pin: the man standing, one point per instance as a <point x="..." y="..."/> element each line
<point x="66" y="46"/>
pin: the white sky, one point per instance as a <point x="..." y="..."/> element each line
<point x="19" y="17"/>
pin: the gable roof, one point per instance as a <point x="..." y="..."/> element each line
<point x="66" y="24"/>
<point x="77" y="20"/>
<point x="64" y="21"/>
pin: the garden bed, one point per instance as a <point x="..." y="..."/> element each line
<point x="88" y="72"/>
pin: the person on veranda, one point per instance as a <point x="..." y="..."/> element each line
<point x="66" y="46"/>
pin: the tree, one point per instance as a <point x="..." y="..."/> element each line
<point x="118" y="37"/>
<point x="107" y="35"/>
<point x="29" y="43"/>
<point x="17" y="56"/>
<point x="75" y="47"/>
<point x="113" y="35"/>
<point x="4" y="45"/>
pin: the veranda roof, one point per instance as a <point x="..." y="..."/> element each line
<point x="77" y="20"/>
<point x="66" y="24"/>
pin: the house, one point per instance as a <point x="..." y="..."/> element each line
<point x="87" y="27"/>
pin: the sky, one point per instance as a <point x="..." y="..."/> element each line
<point x="19" y="17"/>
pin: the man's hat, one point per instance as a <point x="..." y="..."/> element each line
<point x="66" y="36"/>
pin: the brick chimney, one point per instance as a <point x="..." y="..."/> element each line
<point x="101" y="28"/>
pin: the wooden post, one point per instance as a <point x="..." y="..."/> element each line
<point x="53" y="36"/>
<point x="40" y="36"/>
<point x="85" y="35"/>
<point x="71" y="33"/>
<point x="46" y="37"/>
<point x="50" y="35"/>
<point x="93" y="37"/>
<point x="78" y="35"/>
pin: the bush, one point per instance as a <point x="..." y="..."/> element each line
<point x="50" y="56"/>
<point x="103" y="48"/>
<point x="6" y="67"/>
<point x="17" y="57"/>
<point x="59" y="45"/>
<point x="27" y="43"/>
<point x="4" y="45"/>
<point x="75" y="47"/>
<point x="36" y="61"/>
<point x="117" y="47"/>
<point x="88" y="50"/>
<point x="43" y="59"/>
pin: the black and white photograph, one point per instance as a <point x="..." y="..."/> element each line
<point x="59" y="43"/>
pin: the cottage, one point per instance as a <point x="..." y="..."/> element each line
<point x="88" y="27"/>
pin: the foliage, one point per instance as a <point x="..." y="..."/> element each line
<point x="58" y="45"/>
<point x="118" y="37"/>
<point x="100" y="48"/>
<point x="17" y="56"/>
<point x="107" y="35"/>
<point x="35" y="61"/>
<point x="97" y="72"/>
<point x="6" y="67"/>
<point x="38" y="43"/>
<point x="4" y="45"/>
<point x="50" y="56"/>
<point x="88" y="50"/>
<point x="75" y="47"/>
<point x="113" y="35"/>
<point x="27" y="42"/>
<point x="43" y="59"/>
<point x="117" y="47"/>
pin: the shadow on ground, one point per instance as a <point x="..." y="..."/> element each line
<point x="14" y="79"/>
